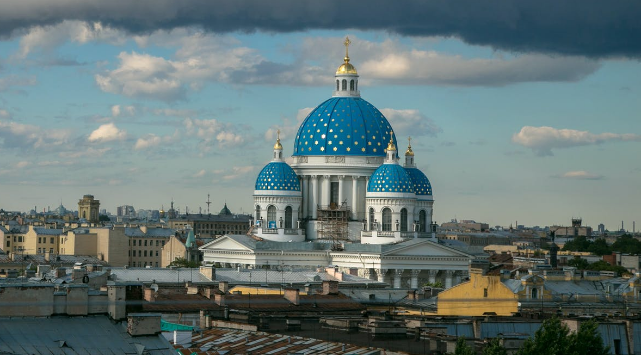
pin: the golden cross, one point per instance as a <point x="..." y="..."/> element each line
<point x="278" y="134"/>
<point x="347" y="43"/>
<point x="409" y="141"/>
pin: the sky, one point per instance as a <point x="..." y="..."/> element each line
<point x="518" y="111"/>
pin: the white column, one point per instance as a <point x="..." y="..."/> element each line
<point x="325" y="191"/>
<point x="355" y="197"/>
<point x="380" y="273"/>
<point x="448" y="278"/>
<point x="432" y="276"/>
<point x="314" y="199"/>
<point x="305" y="194"/>
<point x="340" y="189"/>
<point x="414" y="279"/>
<point x="397" y="277"/>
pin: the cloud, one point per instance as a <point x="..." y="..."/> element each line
<point x="123" y="111"/>
<point x="152" y="141"/>
<point x="199" y="174"/>
<point x="542" y="140"/>
<point x="14" y="135"/>
<point x="585" y="27"/>
<point x="5" y="115"/>
<point x="288" y="127"/>
<point x="579" y="175"/>
<point x="106" y="133"/>
<point x="448" y="144"/>
<point x="11" y="81"/>
<point x="411" y="122"/>
<point x="237" y="172"/>
<point x="213" y="133"/>
<point x="89" y="152"/>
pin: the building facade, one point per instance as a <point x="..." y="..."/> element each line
<point x="88" y="208"/>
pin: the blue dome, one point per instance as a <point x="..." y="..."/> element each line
<point x="343" y="126"/>
<point x="390" y="178"/>
<point x="422" y="185"/>
<point x="277" y="175"/>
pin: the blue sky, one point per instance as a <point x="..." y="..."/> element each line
<point x="506" y="132"/>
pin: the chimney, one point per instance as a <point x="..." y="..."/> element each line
<point x="139" y="324"/>
<point x="77" y="274"/>
<point x="330" y="287"/>
<point x="61" y="272"/>
<point x="209" y="271"/>
<point x="223" y="286"/>
<point x="219" y="298"/>
<point x="292" y="295"/>
<point x="150" y="294"/>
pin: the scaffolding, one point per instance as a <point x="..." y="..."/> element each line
<point x="333" y="223"/>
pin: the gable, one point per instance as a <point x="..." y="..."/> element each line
<point x="425" y="248"/>
<point x="224" y="243"/>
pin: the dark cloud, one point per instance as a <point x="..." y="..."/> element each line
<point x="593" y="28"/>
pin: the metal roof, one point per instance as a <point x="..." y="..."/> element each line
<point x="160" y="275"/>
<point x="493" y="329"/>
<point x="94" y="335"/>
<point x="48" y="231"/>
<point x="615" y="331"/>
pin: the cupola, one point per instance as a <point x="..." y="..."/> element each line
<point x="346" y="76"/>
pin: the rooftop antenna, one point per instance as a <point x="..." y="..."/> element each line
<point x="208" y="203"/>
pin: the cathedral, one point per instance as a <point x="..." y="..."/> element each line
<point x="345" y="200"/>
<point x="346" y="183"/>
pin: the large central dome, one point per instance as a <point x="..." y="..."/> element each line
<point x="343" y="126"/>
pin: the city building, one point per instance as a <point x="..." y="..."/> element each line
<point x="211" y="225"/>
<point x="88" y="208"/>
<point x="577" y="229"/>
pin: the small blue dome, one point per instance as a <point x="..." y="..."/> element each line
<point x="343" y="126"/>
<point x="277" y="175"/>
<point x="422" y="185"/>
<point x="390" y="178"/>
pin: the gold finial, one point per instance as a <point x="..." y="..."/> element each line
<point x="347" y="42"/>
<point x="409" y="147"/>
<point x="278" y="145"/>
<point x="391" y="145"/>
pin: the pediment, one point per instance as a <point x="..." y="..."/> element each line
<point x="425" y="248"/>
<point x="225" y="243"/>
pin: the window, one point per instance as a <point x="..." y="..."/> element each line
<point x="20" y="238"/>
<point x="371" y="219"/>
<point x="156" y="264"/>
<point x="50" y="250"/>
<point x="351" y="84"/>
<point x="404" y="220"/>
<point x="145" y="253"/>
<point x="8" y="244"/>
<point x="337" y="83"/>
<point x="156" y="252"/>
<point x="39" y="250"/>
<point x="387" y="219"/>
<point x="130" y="253"/>
<point x="422" y="221"/>
<point x="139" y="253"/>
<point x="356" y="86"/>
<point x="534" y="293"/>
<point x="39" y="240"/>
<point x="157" y="242"/>
<point x="485" y="292"/>
<point x="271" y="213"/>
<point x="344" y="85"/>
<point x="145" y="242"/>
<point x="333" y="193"/>
<point x="288" y="217"/>
<point x="162" y="243"/>
<point x="129" y="242"/>
<point x="52" y="240"/>
<point x="257" y="213"/>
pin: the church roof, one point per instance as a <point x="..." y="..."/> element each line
<point x="422" y="185"/>
<point x="390" y="178"/>
<point x="277" y="175"/>
<point x="343" y="126"/>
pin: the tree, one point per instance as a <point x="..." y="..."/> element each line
<point x="462" y="348"/>
<point x="600" y="247"/>
<point x="182" y="262"/>
<point x="494" y="347"/>
<point x="554" y="338"/>
<point x="588" y="340"/>
<point x="579" y="263"/>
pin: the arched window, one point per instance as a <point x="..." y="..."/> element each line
<point x="534" y="293"/>
<point x="356" y="85"/>
<point x="271" y="214"/>
<point x="337" y="84"/>
<point x="351" y="84"/>
<point x="257" y="213"/>
<point x="371" y="219"/>
<point x="84" y="214"/>
<point x="387" y="220"/>
<point x="404" y="220"/>
<point x="288" y="217"/>
<point x="344" y="84"/>
<point x="422" y="221"/>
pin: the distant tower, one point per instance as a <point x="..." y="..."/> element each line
<point x="208" y="203"/>
<point x="88" y="208"/>
<point x="576" y="225"/>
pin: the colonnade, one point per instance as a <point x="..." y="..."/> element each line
<point x="317" y="192"/>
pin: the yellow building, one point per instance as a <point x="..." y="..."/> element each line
<point x="483" y="294"/>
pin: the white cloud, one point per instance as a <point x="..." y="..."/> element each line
<point x="238" y="172"/>
<point x="411" y="122"/>
<point x="106" y="133"/>
<point x="5" y="115"/>
<point x="288" y="128"/>
<point x="89" y="152"/>
<point x="26" y="136"/>
<point x="212" y="132"/>
<point x="579" y="175"/>
<point x="151" y="141"/>
<point x="11" y="81"/>
<point x="22" y="164"/>
<point x="123" y="111"/>
<point x="199" y="174"/>
<point x="47" y="38"/>
<point x="542" y="140"/>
